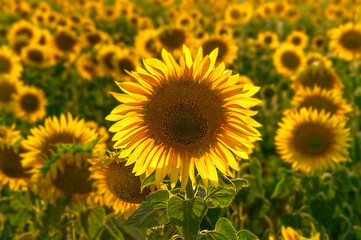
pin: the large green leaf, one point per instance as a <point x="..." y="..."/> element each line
<point x="284" y="186"/>
<point x="186" y="215"/>
<point x="92" y="221"/>
<point x="220" y="196"/>
<point x="153" y="212"/>
<point x="223" y="231"/>
<point x="246" y="235"/>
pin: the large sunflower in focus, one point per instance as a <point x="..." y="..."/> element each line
<point x="288" y="59"/>
<point x="177" y="117"/>
<point x="346" y="41"/>
<point x="118" y="187"/>
<point x="312" y="140"/>
<point x="58" y="154"/>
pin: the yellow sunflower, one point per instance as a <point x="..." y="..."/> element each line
<point x="94" y="38"/>
<point x="317" y="75"/>
<point x="118" y="187"/>
<point x="173" y="38"/>
<point x="289" y="233"/>
<point x="88" y="67"/>
<point x="185" y="20"/>
<point x="10" y="65"/>
<point x="59" y="154"/>
<point x="288" y="59"/>
<point x="177" y="117"/>
<point x="8" y="87"/>
<point x="321" y="99"/>
<point x="227" y="48"/>
<point x="30" y="104"/>
<point x="298" y="39"/>
<point x="238" y="13"/>
<point x="292" y="14"/>
<point x="268" y="39"/>
<point x="106" y="58"/>
<point x="45" y="38"/>
<point x="22" y="30"/>
<point x="11" y="170"/>
<point x="345" y="41"/>
<point x="223" y="29"/>
<point x="318" y="42"/>
<point x="65" y="43"/>
<point x="125" y="61"/>
<point x="314" y="58"/>
<point x="147" y="44"/>
<point x="38" y="56"/>
<point x="312" y="140"/>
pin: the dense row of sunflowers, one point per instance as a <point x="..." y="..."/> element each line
<point x="182" y="112"/>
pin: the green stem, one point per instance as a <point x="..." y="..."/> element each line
<point x="189" y="190"/>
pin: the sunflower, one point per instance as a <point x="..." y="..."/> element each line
<point x="238" y="13"/>
<point x="321" y="99"/>
<point x="223" y="29"/>
<point x="317" y="75"/>
<point x="38" y="56"/>
<point x="118" y="186"/>
<point x="280" y="8"/>
<point x="184" y="20"/>
<point x="30" y="104"/>
<point x="318" y="42"/>
<point x="288" y="59"/>
<point x="289" y="233"/>
<point x="8" y="87"/>
<point x="312" y="140"/>
<point x="173" y="38"/>
<point x="146" y="43"/>
<point x="106" y="58"/>
<point x="65" y="43"/>
<point x="11" y="170"/>
<point x="45" y="38"/>
<point x="268" y="39"/>
<point x="314" y="58"/>
<point x="59" y="154"/>
<point x="125" y="62"/>
<point x="227" y="48"/>
<point x="94" y="38"/>
<point x="22" y="30"/>
<point x="177" y="117"/>
<point x="292" y="14"/>
<point x="10" y="65"/>
<point x="298" y="39"/>
<point x="345" y="41"/>
<point x="88" y="67"/>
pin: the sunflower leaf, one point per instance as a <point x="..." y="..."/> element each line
<point x="223" y="231"/>
<point x="148" y="181"/>
<point x="246" y="235"/>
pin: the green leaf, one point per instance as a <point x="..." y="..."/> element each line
<point x="223" y="231"/>
<point x="186" y="215"/>
<point x="284" y="186"/>
<point x="246" y="235"/>
<point x="153" y="212"/>
<point x="357" y="231"/>
<point x="220" y="197"/>
<point x="239" y="183"/>
<point x="92" y="221"/>
<point x="148" y="181"/>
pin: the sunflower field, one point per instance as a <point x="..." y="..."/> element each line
<point x="180" y="119"/>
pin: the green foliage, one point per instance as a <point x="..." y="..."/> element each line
<point x="92" y="220"/>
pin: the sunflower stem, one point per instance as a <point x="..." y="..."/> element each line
<point x="189" y="190"/>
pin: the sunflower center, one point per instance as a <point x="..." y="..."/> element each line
<point x="108" y="60"/>
<point x="319" y="42"/>
<point x="184" y="115"/>
<point x="19" y="45"/>
<point x="319" y="103"/>
<point x="212" y="44"/>
<point x="312" y="139"/>
<point x="6" y="90"/>
<point x="235" y="14"/>
<point x="296" y="41"/>
<point x="173" y="38"/>
<point x="36" y="56"/>
<point x="123" y="184"/>
<point x="93" y="38"/>
<point x="351" y="40"/>
<point x="10" y="163"/>
<point x="65" y="42"/>
<point x="74" y="180"/>
<point x="125" y="64"/>
<point x="290" y="60"/>
<point x="24" y="32"/>
<point x="5" y="65"/>
<point x="324" y="78"/>
<point x="30" y="103"/>
<point x="150" y="46"/>
<point x="268" y="40"/>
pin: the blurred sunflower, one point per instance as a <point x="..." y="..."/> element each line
<point x="173" y="38"/>
<point x="289" y="233"/>
<point x="22" y="30"/>
<point x="118" y="186"/>
<point x="106" y="58"/>
<point x="318" y="42"/>
<point x="88" y="67"/>
<point x="125" y="62"/>
<point x="8" y="87"/>
<point x="238" y="13"/>
<point x="322" y="99"/>
<point x="58" y="154"/>
<point x="44" y="38"/>
<point x="38" y="56"/>
<point x="288" y="59"/>
<point x="312" y="140"/>
<point x="178" y="117"/>
<point x="65" y="43"/>
<point x="223" y="29"/>
<point x="11" y="170"/>
<point x="317" y="75"/>
<point x="227" y="48"/>
<point x="95" y="38"/>
<point x="345" y="41"/>
<point x="30" y="104"/>
<point x="185" y="20"/>
<point x="314" y="58"/>
<point x="146" y="43"/>
<point x="292" y="14"/>
<point x="10" y="65"/>
<point x="268" y="39"/>
<point x="298" y="39"/>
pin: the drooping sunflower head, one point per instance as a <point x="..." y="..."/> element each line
<point x="288" y="59"/>
<point x="227" y="48"/>
<point x="298" y="39"/>
<point x="58" y="155"/>
<point x="30" y="104"/>
<point x="317" y="75"/>
<point x="176" y="117"/>
<point x="345" y="41"/>
<point x="10" y="65"/>
<point x="312" y="140"/>
<point x="321" y="99"/>
<point x="8" y="87"/>
<point x="118" y="187"/>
